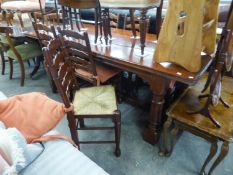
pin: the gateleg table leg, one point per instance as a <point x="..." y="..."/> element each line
<point x="222" y="155"/>
<point x="213" y="151"/>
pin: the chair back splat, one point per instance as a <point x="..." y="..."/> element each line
<point x="79" y="49"/>
<point x="62" y="70"/>
<point x="44" y="33"/>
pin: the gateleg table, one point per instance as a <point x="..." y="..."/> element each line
<point x="124" y="52"/>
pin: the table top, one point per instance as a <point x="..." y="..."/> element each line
<point x="189" y="102"/>
<point x="124" y="52"/>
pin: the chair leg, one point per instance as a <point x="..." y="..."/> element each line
<point x="100" y="20"/>
<point x="174" y="133"/>
<point x="72" y="126"/>
<point x="11" y="67"/>
<point x="3" y="62"/>
<point x="22" y="71"/>
<point x="96" y="24"/>
<point x="165" y="142"/>
<point x="78" y="19"/>
<point x="117" y="133"/>
<point x="132" y="22"/>
<point x="37" y="66"/>
<point x="119" y="88"/>
<point x="20" y="19"/>
<point x="81" y="123"/>
<point x="108" y="23"/>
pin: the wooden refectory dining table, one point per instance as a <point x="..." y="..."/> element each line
<point x="125" y="53"/>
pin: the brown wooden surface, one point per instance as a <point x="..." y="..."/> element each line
<point x="190" y="102"/>
<point x="182" y="37"/>
<point x="124" y="52"/>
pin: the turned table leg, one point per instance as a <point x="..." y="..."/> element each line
<point x="159" y="87"/>
<point x="143" y="29"/>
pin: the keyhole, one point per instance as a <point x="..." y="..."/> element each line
<point x="181" y="23"/>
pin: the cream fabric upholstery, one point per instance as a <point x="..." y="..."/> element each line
<point x="95" y="100"/>
<point x="23" y="6"/>
<point x="129" y="3"/>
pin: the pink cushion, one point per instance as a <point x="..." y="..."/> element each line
<point x="23" y="6"/>
<point x="33" y="114"/>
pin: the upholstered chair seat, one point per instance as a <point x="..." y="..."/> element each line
<point x="128" y="3"/>
<point x="26" y="51"/>
<point x="3" y="48"/>
<point x="27" y="6"/>
<point x="22" y="6"/>
<point x="20" y="53"/>
<point x="95" y="101"/>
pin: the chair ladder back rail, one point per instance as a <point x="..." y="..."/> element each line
<point x="44" y="33"/>
<point x="61" y="70"/>
<point x="79" y="48"/>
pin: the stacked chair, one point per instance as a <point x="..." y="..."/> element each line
<point x="92" y="102"/>
<point x="68" y="57"/>
<point x="82" y="56"/>
<point x="45" y="35"/>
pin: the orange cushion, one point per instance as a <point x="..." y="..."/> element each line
<point x="33" y="114"/>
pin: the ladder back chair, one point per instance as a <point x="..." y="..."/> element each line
<point x="94" y="102"/>
<point x="20" y="53"/>
<point x="45" y="34"/>
<point x="87" y="68"/>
